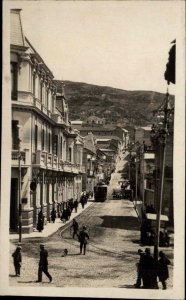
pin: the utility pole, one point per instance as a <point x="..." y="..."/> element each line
<point x="162" y="137"/>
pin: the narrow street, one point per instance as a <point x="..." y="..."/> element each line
<point x="111" y="255"/>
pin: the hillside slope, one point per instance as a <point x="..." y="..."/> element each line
<point x="116" y="105"/>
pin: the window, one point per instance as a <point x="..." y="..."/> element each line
<point x="41" y="92"/>
<point x="61" y="147"/>
<point x="15" y="135"/>
<point x="70" y="154"/>
<point x="36" y="137"/>
<point x="55" y="144"/>
<point x="49" y="137"/>
<point x="47" y="98"/>
<point x="14" y="75"/>
<point x="43" y="139"/>
<point x="34" y="84"/>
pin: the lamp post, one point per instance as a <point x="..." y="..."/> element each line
<point x="19" y="187"/>
<point x="159" y="137"/>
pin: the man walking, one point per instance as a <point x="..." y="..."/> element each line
<point x="43" y="264"/>
<point x="83" y="239"/>
<point x="75" y="227"/>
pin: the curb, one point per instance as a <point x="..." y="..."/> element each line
<point x="14" y="237"/>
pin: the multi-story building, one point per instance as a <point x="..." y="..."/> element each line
<point x="46" y="152"/>
<point x="89" y="161"/>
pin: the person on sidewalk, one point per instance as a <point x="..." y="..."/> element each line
<point x="40" y="223"/>
<point x="75" y="227"/>
<point x="83" y="239"/>
<point x="139" y="269"/>
<point x="163" y="271"/>
<point x="43" y="264"/>
<point x="53" y="215"/>
<point x="75" y="205"/>
<point x="83" y="200"/>
<point x="17" y="259"/>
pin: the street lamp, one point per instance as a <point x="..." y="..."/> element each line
<point x="159" y="134"/>
<point x="19" y="187"/>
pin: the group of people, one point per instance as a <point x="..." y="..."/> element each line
<point x="149" y="270"/>
<point x="82" y="236"/>
<point x="42" y="266"/>
<point x="148" y="235"/>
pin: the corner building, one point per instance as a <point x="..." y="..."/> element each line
<point x="45" y="149"/>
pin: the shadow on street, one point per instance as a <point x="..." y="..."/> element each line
<point x="120" y="222"/>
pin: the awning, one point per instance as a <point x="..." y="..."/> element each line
<point x="153" y="217"/>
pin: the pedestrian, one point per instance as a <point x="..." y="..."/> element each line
<point x="139" y="269"/>
<point x="43" y="264"/>
<point x="71" y="204"/>
<point x="83" y="239"/>
<point x="75" y="205"/>
<point x="75" y="227"/>
<point x="17" y="259"/>
<point x="149" y="271"/>
<point x="163" y="271"/>
<point x="68" y="211"/>
<point x="53" y="215"/>
<point x="83" y="200"/>
<point x="40" y="223"/>
<point x="64" y="216"/>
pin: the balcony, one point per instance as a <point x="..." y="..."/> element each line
<point x="67" y="167"/>
<point x="82" y="169"/>
<point x="57" y="118"/>
<point x="49" y="161"/>
<point x="15" y="158"/>
<point x="55" y="162"/>
<point x="41" y="158"/>
<point x="60" y="165"/>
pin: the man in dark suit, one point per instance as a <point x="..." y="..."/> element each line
<point x="43" y="264"/>
<point x="83" y="239"/>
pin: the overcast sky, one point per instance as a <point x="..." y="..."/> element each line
<point x="123" y="44"/>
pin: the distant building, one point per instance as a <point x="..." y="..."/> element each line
<point x="142" y="134"/>
<point x="95" y="120"/>
<point x="96" y="131"/>
<point x="89" y="161"/>
<point x="76" y="122"/>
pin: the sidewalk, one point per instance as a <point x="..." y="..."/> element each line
<point x="51" y="228"/>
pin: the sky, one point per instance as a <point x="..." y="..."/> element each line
<point x="122" y="44"/>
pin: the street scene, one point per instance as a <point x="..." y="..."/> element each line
<point x="93" y="173"/>
<point x="111" y="254"/>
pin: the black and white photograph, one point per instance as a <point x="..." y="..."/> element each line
<point x="93" y="149"/>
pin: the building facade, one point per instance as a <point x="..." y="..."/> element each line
<point x="47" y="154"/>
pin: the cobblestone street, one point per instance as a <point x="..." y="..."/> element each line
<point x="111" y="255"/>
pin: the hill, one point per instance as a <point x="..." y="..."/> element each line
<point x="116" y="105"/>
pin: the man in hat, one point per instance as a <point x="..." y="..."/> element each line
<point x="83" y="239"/>
<point x="43" y="264"/>
<point x="149" y="272"/>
